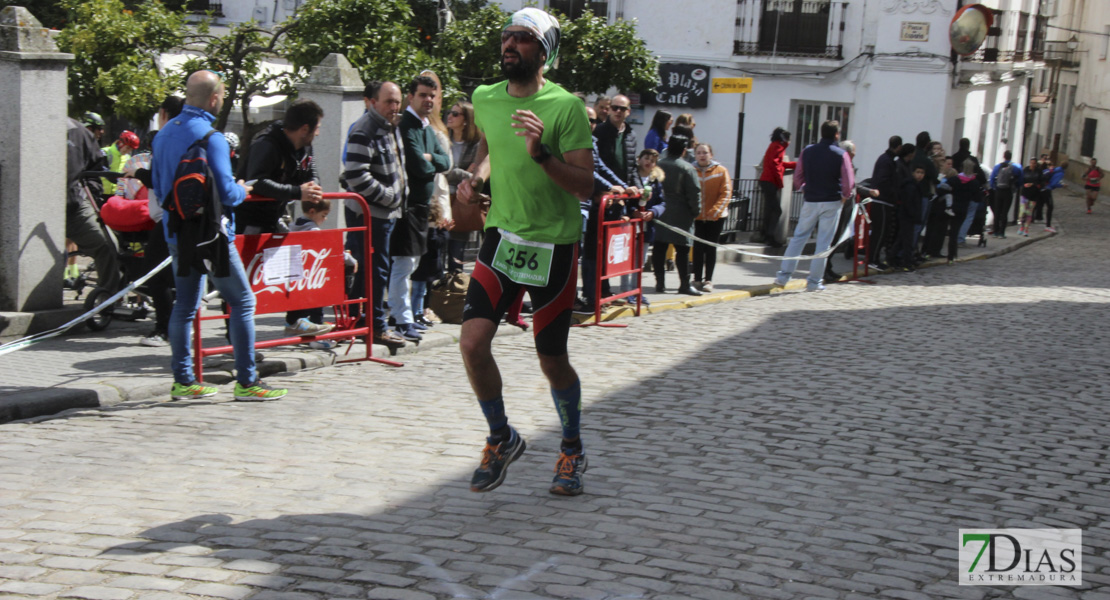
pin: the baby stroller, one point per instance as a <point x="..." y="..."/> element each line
<point x="127" y="219"/>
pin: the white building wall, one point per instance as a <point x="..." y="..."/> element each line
<point x="1092" y="97"/>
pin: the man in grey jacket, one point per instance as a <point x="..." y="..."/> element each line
<point x="374" y="168"/>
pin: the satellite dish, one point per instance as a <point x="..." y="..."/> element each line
<point x="969" y="28"/>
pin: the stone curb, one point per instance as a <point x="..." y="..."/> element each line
<point x="47" y="402"/>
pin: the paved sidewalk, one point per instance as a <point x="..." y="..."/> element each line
<point x="84" y="369"/>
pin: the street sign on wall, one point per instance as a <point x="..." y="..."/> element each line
<point x="681" y="84"/>
<point x="732" y="85"/>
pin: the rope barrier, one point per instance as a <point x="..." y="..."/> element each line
<point x="45" y="335"/>
<point x="848" y="234"/>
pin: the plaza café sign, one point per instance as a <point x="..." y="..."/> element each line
<point x="681" y="84"/>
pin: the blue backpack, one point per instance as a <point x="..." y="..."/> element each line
<point x="192" y="193"/>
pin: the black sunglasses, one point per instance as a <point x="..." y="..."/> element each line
<point x="521" y="37"/>
<point x="618" y="108"/>
<point x="454" y="113"/>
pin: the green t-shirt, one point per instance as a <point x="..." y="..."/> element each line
<point x="525" y="200"/>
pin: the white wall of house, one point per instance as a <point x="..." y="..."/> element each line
<point x="1092" y="95"/>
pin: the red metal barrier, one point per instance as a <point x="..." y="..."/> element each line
<point x="323" y="284"/>
<point x="620" y="244"/>
<point x="862" y="245"/>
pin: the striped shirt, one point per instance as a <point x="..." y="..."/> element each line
<point x="374" y="166"/>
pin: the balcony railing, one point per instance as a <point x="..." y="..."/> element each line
<point x="790" y="28"/>
<point x="205" y="6"/>
<point x="994" y="55"/>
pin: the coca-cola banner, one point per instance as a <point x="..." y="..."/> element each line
<point x="621" y="244"/>
<point x="320" y="284"/>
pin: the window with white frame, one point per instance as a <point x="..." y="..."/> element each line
<point x="575" y="8"/>
<point x="808" y="117"/>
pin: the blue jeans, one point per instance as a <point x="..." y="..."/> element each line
<point x="972" y="210"/>
<point x="823" y="216"/>
<point x="400" y="294"/>
<point x="236" y="291"/>
<point x="380" y="231"/>
<point x="419" y="290"/>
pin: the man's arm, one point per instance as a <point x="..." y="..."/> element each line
<point x="261" y="164"/>
<point x="470" y="188"/>
<point x="847" y="176"/>
<point x="799" y="174"/>
<point x="574" y="173"/>
<point x="219" y="158"/>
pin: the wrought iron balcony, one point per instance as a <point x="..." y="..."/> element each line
<point x="205" y="7"/>
<point x="790" y="28"/>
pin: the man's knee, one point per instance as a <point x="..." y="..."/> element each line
<point x="556" y="367"/>
<point x="476" y="339"/>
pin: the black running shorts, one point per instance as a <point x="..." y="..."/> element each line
<point x="491" y="292"/>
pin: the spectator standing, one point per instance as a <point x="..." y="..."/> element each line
<point x="464" y="137"/>
<point x="716" y="193"/>
<point x="649" y="208"/>
<point x="884" y="177"/>
<point x="204" y="96"/>
<point x="424" y="158"/>
<point x="966" y="191"/>
<point x="161" y="285"/>
<point x="616" y="140"/>
<point x="601" y="108"/>
<point x="770" y="185"/>
<point x="314" y="214"/>
<point x="825" y="176"/>
<point x="1004" y="181"/>
<point x="901" y="251"/>
<point x="1092" y="182"/>
<point x="283" y="169"/>
<point x="374" y="168"/>
<point x="683" y="194"/>
<point x="1053" y="178"/>
<point x="95" y="124"/>
<point x="1032" y="180"/>
<point x="539" y="163"/>
<point x="432" y="263"/>
<point x="656" y="138"/>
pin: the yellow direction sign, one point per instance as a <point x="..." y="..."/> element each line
<point x="732" y="85"/>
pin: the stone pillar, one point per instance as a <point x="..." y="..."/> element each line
<point x="32" y="165"/>
<point x="336" y="86"/>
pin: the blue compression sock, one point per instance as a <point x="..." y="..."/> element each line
<point x="568" y="403"/>
<point x="495" y="414"/>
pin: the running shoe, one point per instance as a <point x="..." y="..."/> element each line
<point x="1050" y="229"/>
<point x="256" y="392"/>
<point x="568" y="474"/>
<point x="304" y="327"/>
<point x="191" y="391"/>
<point x="495" y="462"/>
<point x="820" y="287"/>
<point x="323" y="344"/>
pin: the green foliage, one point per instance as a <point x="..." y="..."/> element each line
<point x="473" y="47"/>
<point x="594" y="56"/>
<point x="115" y="70"/>
<point x="377" y="36"/>
<point x="239" y="56"/>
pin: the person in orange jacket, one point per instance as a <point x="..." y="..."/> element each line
<point x="770" y="184"/>
<point x="716" y="193"/>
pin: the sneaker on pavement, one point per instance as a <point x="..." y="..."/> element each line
<point x="191" y="391"/>
<point x="156" y="339"/>
<point x="707" y="287"/>
<point x="389" y="338"/>
<point x="304" y="327"/>
<point x="418" y="325"/>
<point x="409" y="333"/>
<point x="779" y="283"/>
<point x="323" y="344"/>
<point x="820" y="287"/>
<point x="257" y="392"/>
<point x="425" y="321"/>
<point x="582" y="307"/>
<point x="495" y="462"/>
<point x="1050" y="229"/>
<point x="568" y="474"/>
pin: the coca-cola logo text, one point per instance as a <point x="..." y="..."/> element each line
<point x="315" y="273"/>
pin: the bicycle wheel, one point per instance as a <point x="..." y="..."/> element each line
<point x="101" y="320"/>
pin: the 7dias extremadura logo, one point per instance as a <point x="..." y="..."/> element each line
<point x="1021" y="557"/>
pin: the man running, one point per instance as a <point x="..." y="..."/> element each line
<point x="537" y="147"/>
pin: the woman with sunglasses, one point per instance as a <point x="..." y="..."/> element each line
<point x="469" y="219"/>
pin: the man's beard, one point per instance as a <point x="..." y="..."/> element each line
<point x="522" y="69"/>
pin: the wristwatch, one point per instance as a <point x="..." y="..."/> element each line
<point x="545" y="153"/>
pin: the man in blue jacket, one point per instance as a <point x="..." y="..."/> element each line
<point x="204" y="96"/>
<point x="1054" y="176"/>
<point x="824" y="174"/>
<point x="1005" y="181"/>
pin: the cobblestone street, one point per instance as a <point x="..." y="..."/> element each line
<point x="798" y="445"/>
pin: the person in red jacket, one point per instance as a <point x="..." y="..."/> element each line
<point x="770" y="184"/>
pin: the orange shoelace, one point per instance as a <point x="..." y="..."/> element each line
<point x="565" y="464"/>
<point x="489" y="453"/>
